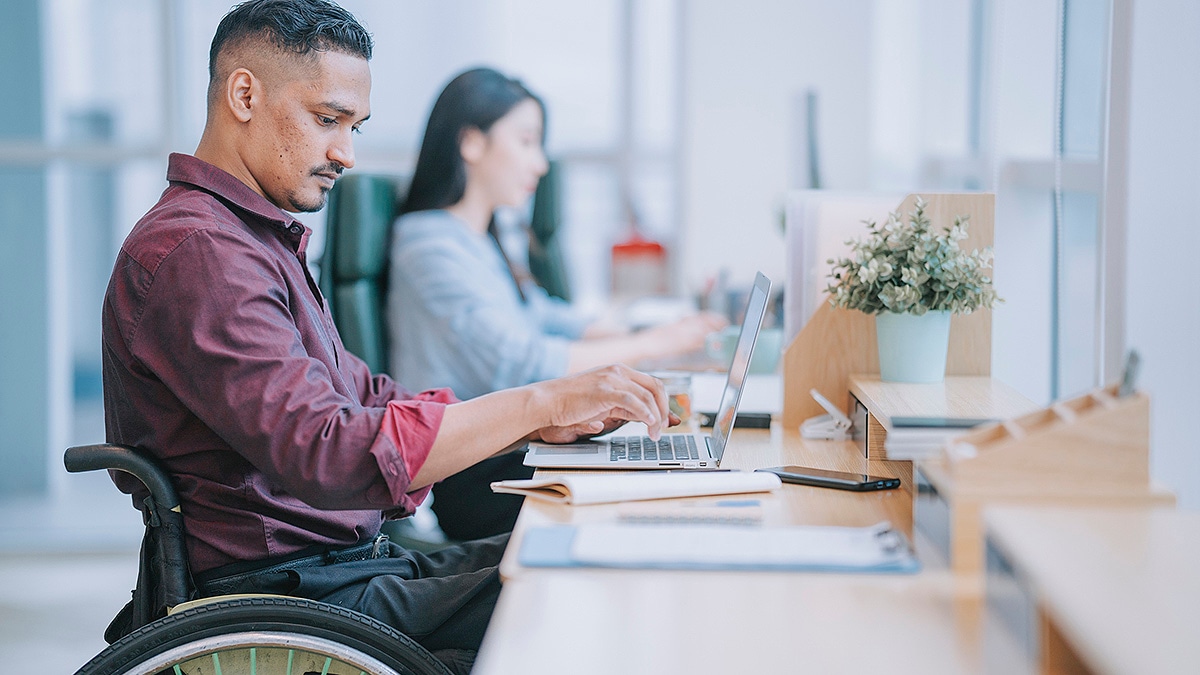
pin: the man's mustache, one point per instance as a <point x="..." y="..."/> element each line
<point x="330" y="168"/>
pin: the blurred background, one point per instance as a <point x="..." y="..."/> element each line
<point x="692" y="119"/>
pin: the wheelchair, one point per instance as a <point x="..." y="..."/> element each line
<point x="234" y="634"/>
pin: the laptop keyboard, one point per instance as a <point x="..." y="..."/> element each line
<point x="669" y="447"/>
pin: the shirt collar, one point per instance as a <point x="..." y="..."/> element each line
<point x="183" y="168"/>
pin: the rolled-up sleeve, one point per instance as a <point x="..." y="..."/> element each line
<point x="409" y="429"/>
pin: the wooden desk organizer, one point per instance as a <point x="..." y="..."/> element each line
<point x="1093" y="449"/>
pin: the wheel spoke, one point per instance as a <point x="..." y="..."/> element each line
<point x="242" y="633"/>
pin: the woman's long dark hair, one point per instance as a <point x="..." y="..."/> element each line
<point x="473" y="99"/>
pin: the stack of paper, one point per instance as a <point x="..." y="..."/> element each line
<point x="716" y="547"/>
<point x="922" y="438"/>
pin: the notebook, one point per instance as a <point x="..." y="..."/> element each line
<point x="672" y="451"/>
<point x="600" y="487"/>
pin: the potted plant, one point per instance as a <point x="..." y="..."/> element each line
<point x="913" y="279"/>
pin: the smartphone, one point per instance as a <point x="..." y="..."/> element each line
<point x="859" y="482"/>
<point x="743" y="420"/>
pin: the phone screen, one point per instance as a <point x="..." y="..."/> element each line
<point x="852" y="478"/>
<point x="826" y="478"/>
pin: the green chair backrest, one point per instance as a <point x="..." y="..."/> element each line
<point x="354" y="267"/>
<point x="545" y="241"/>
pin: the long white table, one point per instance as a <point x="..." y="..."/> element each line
<point x="653" y="621"/>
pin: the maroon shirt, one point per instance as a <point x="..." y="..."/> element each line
<point x="221" y="359"/>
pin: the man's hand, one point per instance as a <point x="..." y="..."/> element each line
<point x="556" y="411"/>
<point x="581" y="432"/>
<point x="599" y="400"/>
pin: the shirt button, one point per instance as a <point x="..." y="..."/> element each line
<point x="295" y="229"/>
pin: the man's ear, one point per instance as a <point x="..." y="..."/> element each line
<point x="241" y="93"/>
<point x="471" y="144"/>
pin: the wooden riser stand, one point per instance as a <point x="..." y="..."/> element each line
<point x="1091" y="450"/>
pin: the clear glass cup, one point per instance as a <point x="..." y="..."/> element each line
<point x="679" y="396"/>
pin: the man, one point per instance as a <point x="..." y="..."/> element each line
<point x="221" y="359"/>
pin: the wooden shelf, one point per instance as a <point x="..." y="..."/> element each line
<point x="957" y="397"/>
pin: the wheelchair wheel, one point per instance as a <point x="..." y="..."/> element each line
<point x="265" y="636"/>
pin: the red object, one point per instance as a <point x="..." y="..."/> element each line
<point x="639" y="266"/>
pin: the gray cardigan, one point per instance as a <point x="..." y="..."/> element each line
<point x="455" y="318"/>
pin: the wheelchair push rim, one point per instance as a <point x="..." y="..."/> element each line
<point x="265" y="636"/>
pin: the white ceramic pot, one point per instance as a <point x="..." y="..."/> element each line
<point x="912" y="348"/>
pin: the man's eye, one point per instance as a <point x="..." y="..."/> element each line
<point x="326" y="120"/>
<point x="358" y="130"/>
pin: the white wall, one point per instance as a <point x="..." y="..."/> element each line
<point x="744" y="65"/>
<point x="1163" y="307"/>
<point x="1019" y="133"/>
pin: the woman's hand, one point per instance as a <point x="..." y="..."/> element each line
<point x="685" y="335"/>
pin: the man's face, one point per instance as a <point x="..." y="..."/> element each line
<point x="302" y="137"/>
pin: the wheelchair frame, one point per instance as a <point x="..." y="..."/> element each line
<point x="263" y="635"/>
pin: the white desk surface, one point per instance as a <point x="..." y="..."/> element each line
<point x="1121" y="584"/>
<point x="630" y="621"/>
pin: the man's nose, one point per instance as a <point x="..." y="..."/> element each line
<point x="342" y="151"/>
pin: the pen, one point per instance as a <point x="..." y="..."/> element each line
<point x="737" y="502"/>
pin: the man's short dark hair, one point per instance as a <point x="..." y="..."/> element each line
<point x="297" y="26"/>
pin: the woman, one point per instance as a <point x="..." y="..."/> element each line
<point x="459" y="316"/>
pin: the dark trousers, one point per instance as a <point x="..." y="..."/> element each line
<point x="467" y="508"/>
<point x="443" y="600"/>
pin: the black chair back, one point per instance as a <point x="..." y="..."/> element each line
<point x="164" y="579"/>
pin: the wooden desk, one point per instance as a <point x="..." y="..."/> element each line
<point x="625" y="621"/>
<point x="1105" y="590"/>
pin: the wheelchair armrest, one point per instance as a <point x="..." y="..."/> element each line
<point x="124" y="458"/>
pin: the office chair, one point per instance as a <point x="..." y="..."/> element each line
<point x="165" y="628"/>
<point x="353" y="279"/>
<point x="354" y="267"/>
<point x="545" y="238"/>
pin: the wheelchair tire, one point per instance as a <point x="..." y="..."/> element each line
<point x="265" y="636"/>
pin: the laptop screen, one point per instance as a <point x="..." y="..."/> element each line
<point x="756" y="307"/>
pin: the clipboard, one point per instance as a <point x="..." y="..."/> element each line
<point x="875" y="549"/>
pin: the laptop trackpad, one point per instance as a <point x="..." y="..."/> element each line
<point x="576" y="449"/>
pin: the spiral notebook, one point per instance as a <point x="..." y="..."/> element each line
<point x="600" y="488"/>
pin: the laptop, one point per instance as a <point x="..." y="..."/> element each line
<point x="672" y="451"/>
